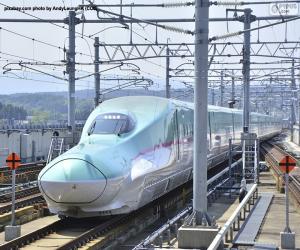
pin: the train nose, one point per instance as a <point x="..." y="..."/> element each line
<point x="72" y="181"/>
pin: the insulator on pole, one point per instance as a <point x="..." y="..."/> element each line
<point x="178" y="4"/>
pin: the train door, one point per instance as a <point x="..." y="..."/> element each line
<point x="209" y="129"/>
<point x="176" y="134"/>
<point x="183" y="135"/>
<point x="233" y="127"/>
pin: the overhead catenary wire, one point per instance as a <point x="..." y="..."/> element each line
<point x="34" y="62"/>
<point x="104" y="78"/>
<point x="38" y="63"/>
<point x="242" y="3"/>
<point x="75" y="32"/>
<point x="160" y="5"/>
<point x="42" y="63"/>
<point x="22" y="11"/>
<point x="64" y="29"/>
<point x="226" y="36"/>
<point x="20" y="57"/>
<point x="40" y="80"/>
<point x="38" y="40"/>
<point x="275" y="72"/>
<point x="166" y="27"/>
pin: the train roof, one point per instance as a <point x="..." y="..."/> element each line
<point x="154" y="104"/>
<point x="210" y="107"/>
<point x="136" y="104"/>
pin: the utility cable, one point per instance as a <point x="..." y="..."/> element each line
<point x="226" y="36"/>
<point x="166" y="27"/>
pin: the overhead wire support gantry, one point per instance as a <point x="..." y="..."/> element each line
<point x="216" y="49"/>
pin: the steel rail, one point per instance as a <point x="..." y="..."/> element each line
<point x="19" y="194"/>
<point x="24" y="166"/>
<point x="94" y="233"/>
<point x="33" y="199"/>
<point x="33" y="236"/>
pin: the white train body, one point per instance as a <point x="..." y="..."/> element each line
<point x="135" y="149"/>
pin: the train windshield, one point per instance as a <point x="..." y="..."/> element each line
<point x="112" y="123"/>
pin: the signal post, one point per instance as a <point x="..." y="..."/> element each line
<point x="13" y="231"/>
<point x="287" y="237"/>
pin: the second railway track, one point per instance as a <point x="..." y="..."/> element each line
<point x="273" y="155"/>
<point x="22" y="202"/>
<point x="25" y="192"/>
<point x="26" y="172"/>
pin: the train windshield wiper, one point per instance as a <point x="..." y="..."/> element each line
<point x="92" y="129"/>
<point x="120" y="129"/>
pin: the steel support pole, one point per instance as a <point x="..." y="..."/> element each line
<point x="298" y="102"/>
<point x="222" y="89"/>
<point x="71" y="72"/>
<point x="287" y="226"/>
<point x="246" y="70"/>
<point x="294" y="96"/>
<point x="232" y="87"/>
<point x="13" y="198"/>
<point x="230" y="158"/>
<point x="130" y="39"/>
<point x="200" y="111"/>
<point x="97" y="74"/>
<point x="269" y="96"/>
<point x="168" y="73"/>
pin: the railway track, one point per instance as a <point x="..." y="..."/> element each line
<point x="4" y="198"/>
<point x="27" y="193"/>
<point x="25" y="167"/>
<point x="273" y="155"/>
<point x="76" y="229"/>
<point x="22" y="202"/>
<point x="26" y="172"/>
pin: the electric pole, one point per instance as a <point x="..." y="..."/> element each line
<point x="72" y="21"/>
<point x="247" y="19"/>
<point x="200" y="112"/>
<point x="168" y="73"/>
<point x="222" y="89"/>
<point x="97" y="74"/>
<point x="232" y="90"/>
<point x="294" y="97"/>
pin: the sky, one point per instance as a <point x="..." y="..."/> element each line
<point x="32" y="42"/>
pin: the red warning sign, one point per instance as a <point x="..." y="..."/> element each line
<point x="13" y="161"/>
<point x="287" y="164"/>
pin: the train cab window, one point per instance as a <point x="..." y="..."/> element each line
<point x="112" y="123"/>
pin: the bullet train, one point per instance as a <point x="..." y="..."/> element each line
<point x="133" y="150"/>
